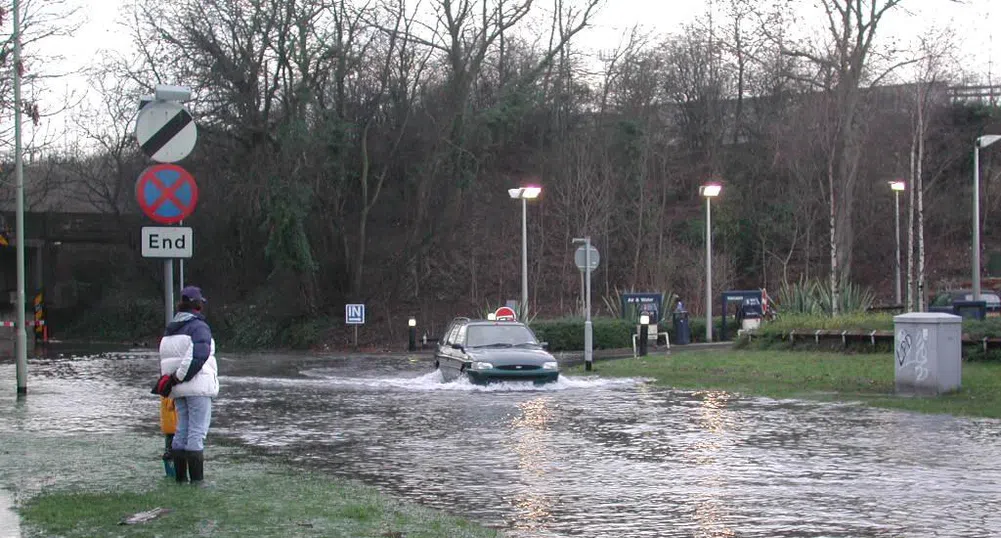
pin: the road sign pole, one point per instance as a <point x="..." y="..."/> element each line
<point x="586" y="260"/>
<point x="21" y="342"/>
<point x="168" y="290"/>
<point x="180" y="267"/>
<point x="588" y="329"/>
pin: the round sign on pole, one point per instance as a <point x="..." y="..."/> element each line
<point x="580" y="254"/>
<point x="166" y="193"/>
<point x="166" y="131"/>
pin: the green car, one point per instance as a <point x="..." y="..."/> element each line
<point x="488" y="351"/>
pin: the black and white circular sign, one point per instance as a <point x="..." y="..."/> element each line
<point x="166" y="131"/>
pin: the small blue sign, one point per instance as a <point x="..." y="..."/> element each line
<point x="354" y="314"/>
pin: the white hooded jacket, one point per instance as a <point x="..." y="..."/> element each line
<point x="186" y="333"/>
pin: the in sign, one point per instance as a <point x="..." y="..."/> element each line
<point x="354" y="314"/>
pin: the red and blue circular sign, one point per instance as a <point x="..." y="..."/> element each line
<point x="166" y="193"/>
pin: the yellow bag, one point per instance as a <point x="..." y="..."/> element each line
<point x="168" y="416"/>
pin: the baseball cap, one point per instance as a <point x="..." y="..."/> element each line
<point x="193" y="293"/>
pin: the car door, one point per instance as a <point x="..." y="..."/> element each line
<point x="442" y="347"/>
<point x="447" y="360"/>
<point x="458" y="353"/>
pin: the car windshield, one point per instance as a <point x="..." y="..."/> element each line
<point x="500" y="335"/>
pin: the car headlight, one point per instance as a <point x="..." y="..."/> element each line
<point x="482" y="366"/>
<point x="551" y="365"/>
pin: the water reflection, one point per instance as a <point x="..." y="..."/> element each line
<point x="585" y="457"/>
<point x="529" y="437"/>
<point x="714" y="451"/>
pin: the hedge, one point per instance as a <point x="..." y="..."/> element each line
<point x="568" y="334"/>
<point x="771" y="335"/>
<point x="613" y="333"/>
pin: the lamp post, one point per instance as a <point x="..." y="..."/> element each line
<point x="644" y="333"/>
<point x="981" y="142"/>
<point x="897" y="187"/>
<point x="524" y="194"/>
<point x="710" y="191"/>
<point x="21" y="339"/>
<point x="412" y="343"/>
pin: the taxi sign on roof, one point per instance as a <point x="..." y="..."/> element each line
<point x="505" y="313"/>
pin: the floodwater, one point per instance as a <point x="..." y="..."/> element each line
<point x="588" y="457"/>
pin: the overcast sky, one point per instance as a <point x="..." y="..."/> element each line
<point x="976" y="23"/>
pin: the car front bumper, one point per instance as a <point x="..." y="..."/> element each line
<point x="496" y="375"/>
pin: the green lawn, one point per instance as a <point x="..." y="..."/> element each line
<point x="817" y="375"/>
<point x="246" y="500"/>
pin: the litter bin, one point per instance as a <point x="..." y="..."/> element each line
<point x="682" y="329"/>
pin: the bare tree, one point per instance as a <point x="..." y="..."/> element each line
<point x="842" y="69"/>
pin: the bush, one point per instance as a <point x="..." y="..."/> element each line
<point x="698" y="327"/>
<point x="568" y="334"/>
<point x="253" y="327"/>
<point x="845" y="322"/>
<point x="773" y="335"/>
<point x="121" y="318"/>
<point x="812" y="297"/>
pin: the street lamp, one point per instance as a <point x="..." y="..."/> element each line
<point x="897" y="187"/>
<point x="524" y="194"/>
<point x="710" y="191"/>
<point x="981" y="142"/>
<point x="21" y="337"/>
<point x="412" y="336"/>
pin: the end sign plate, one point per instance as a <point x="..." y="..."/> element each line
<point x="167" y="242"/>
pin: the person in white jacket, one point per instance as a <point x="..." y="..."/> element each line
<point x="187" y="356"/>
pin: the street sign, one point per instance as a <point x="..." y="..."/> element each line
<point x="166" y="131"/>
<point x="166" y="193"/>
<point x="354" y="314"/>
<point x="504" y="313"/>
<point x="578" y="258"/>
<point x="167" y="242"/>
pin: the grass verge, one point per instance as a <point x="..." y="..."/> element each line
<point x="868" y="378"/>
<point x="261" y="502"/>
<point x="70" y="487"/>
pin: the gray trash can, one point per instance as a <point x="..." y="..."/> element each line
<point x="682" y="329"/>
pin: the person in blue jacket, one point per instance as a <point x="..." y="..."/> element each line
<point x="189" y="375"/>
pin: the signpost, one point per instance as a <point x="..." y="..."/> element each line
<point x="167" y="242"/>
<point x="166" y="193"/>
<point x="166" y="131"/>
<point x="354" y="314"/>
<point x="587" y="259"/>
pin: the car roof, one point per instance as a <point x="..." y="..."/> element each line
<point x="493" y="322"/>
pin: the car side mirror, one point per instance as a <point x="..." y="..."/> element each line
<point x="460" y="347"/>
<point x="545" y="345"/>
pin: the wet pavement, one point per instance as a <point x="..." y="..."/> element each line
<point x="587" y="457"/>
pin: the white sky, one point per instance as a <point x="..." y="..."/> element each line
<point x="977" y="24"/>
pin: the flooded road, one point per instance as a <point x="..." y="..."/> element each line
<point x="587" y="457"/>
